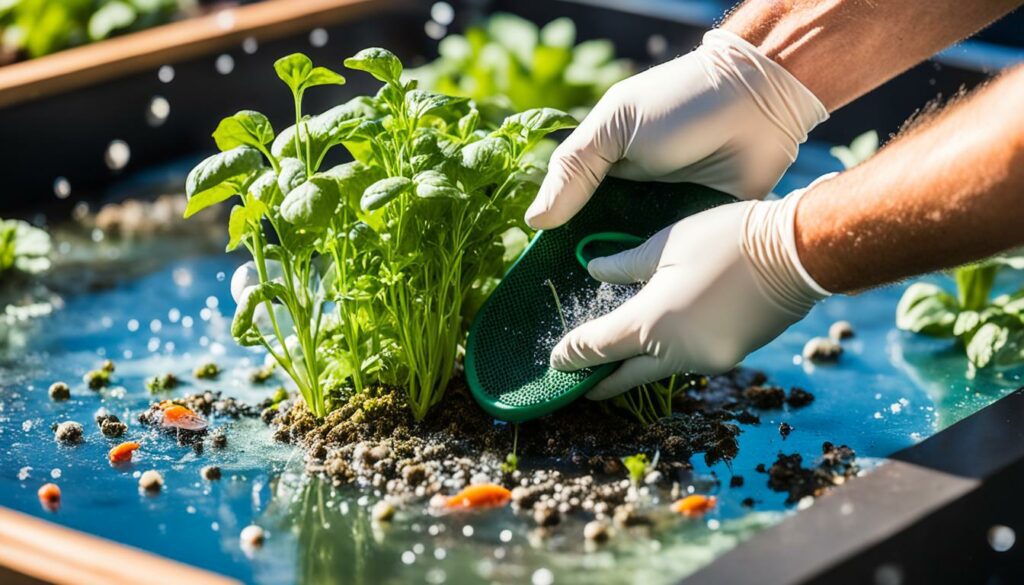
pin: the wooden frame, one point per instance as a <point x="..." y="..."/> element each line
<point x="148" y="49"/>
<point x="36" y="551"/>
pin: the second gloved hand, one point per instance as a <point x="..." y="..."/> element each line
<point x="720" y="284"/>
<point x="724" y="116"/>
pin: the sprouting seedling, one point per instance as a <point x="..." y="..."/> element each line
<point x="638" y="465"/>
<point x="512" y="459"/>
<point x="558" y="304"/>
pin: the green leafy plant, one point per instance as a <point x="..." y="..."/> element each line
<point x="511" y="462"/>
<point x="34" y="28"/>
<point x="860" y="149"/>
<point x="991" y="330"/>
<point x="649" y="403"/>
<point x="507" y="63"/>
<point x="366" y="274"/>
<point x="24" y="249"/>
<point x="638" y="465"/>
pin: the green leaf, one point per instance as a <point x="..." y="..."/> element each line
<point x="240" y="220"/>
<point x="293" y="174"/>
<point x="351" y="180"/>
<point x="560" y="32"/>
<point x="265" y="189"/>
<point x="986" y="344"/>
<point x="380" y="63"/>
<point x="311" y="205"/>
<point x="468" y="123"/>
<point x="927" y="309"/>
<point x="537" y="123"/>
<point x="384" y="191"/>
<point x="966" y="322"/>
<point x="111" y="17"/>
<point x="514" y="33"/>
<point x="242" y="325"/>
<point x="420" y="102"/>
<point x="482" y="161"/>
<point x="246" y="128"/>
<point x="592" y="54"/>
<point x="323" y="131"/>
<point x="432" y="184"/>
<point x="219" y="177"/>
<point x="294" y="70"/>
<point x="322" y="76"/>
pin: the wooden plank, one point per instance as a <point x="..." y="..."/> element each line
<point x="171" y="43"/>
<point x="37" y="551"/>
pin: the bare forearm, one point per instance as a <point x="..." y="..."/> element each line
<point x="841" y="49"/>
<point x="948" y="192"/>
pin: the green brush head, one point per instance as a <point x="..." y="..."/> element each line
<point x="515" y="330"/>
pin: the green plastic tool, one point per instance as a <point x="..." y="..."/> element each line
<point x="513" y="333"/>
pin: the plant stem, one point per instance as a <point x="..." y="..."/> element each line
<point x="558" y="305"/>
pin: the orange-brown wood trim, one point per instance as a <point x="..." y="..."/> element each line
<point x="171" y="43"/>
<point x="36" y="551"/>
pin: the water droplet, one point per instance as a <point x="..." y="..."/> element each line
<point x="158" y="111"/>
<point x="153" y="345"/>
<point x="657" y="46"/>
<point x="55" y="473"/>
<point x="505" y="536"/>
<point x="542" y="577"/>
<point x="250" y="45"/>
<point x="467" y="530"/>
<point x="212" y="302"/>
<point x="225" y="64"/>
<point x="118" y="154"/>
<point x="434" y="30"/>
<point x="24" y="472"/>
<point x="173" y="315"/>
<point x="155" y="325"/>
<point x="318" y="37"/>
<point x="1001" y="538"/>
<point x="133" y="325"/>
<point x="165" y="74"/>
<point x="205" y="314"/>
<point x="440" y="554"/>
<point x="61" y="188"/>
<point x="221" y="276"/>
<point x="186" y="322"/>
<point x="226" y="19"/>
<point x="408" y="557"/>
<point x="442" y="13"/>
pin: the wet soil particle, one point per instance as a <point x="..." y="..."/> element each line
<point x="113" y="428"/>
<point x="68" y="432"/>
<point x="59" y="391"/>
<point x="218" y="439"/>
<point x="736" y="481"/>
<point x="799" y="398"/>
<point x="785" y="429"/>
<point x="789" y="475"/>
<point x="822" y="349"/>
<point x="840" y="330"/>
<point x="747" y="502"/>
<point x="210" y="473"/>
<point x="765" y="397"/>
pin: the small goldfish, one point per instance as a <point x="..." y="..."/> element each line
<point x="484" y="495"/>
<point x="123" y="452"/>
<point x="49" y="496"/>
<point x="183" y="418"/>
<point x="695" y="505"/>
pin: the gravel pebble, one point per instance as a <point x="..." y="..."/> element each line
<point x="68" y="432"/>
<point x="252" y="536"/>
<point x="151" y="481"/>
<point x="596" y="531"/>
<point x="822" y="349"/>
<point x="840" y="330"/>
<point x="383" y="511"/>
<point x="60" y="391"/>
<point x="210" y="473"/>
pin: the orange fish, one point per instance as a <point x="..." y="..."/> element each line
<point x="123" y="452"/>
<point x="695" y="505"/>
<point x="484" y="495"/>
<point x="49" y="496"/>
<point x="183" y="418"/>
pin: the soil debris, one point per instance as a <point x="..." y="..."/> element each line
<point x="68" y="432"/>
<point x="59" y="391"/>
<point x="765" y="397"/>
<point x="210" y="473"/>
<point x="785" y="429"/>
<point x="162" y="383"/>
<point x="840" y="330"/>
<point x="798" y="397"/>
<point x="789" y="475"/>
<point x="207" y="371"/>
<point x="822" y="349"/>
<point x="151" y="481"/>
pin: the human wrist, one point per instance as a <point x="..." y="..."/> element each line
<point x="769" y="245"/>
<point x="777" y="93"/>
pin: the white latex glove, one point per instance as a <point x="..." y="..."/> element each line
<point x="724" y="116"/>
<point x="720" y="284"/>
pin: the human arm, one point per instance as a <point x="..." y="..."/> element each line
<point x="732" y="113"/>
<point x="723" y="283"/>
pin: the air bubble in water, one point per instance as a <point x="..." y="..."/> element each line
<point x="165" y="74"/>
<point x="442" y="13"/>
<point x="118" y="154"/>
<point x="318" y="37"/>
<point x="61" y="188"/>
<point x="225" y="64"/>
<point x="158" y="111"/>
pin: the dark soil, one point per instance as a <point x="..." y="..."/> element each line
<point x="574" y="455"/>
<point x="789" y="475"/>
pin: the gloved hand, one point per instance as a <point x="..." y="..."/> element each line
<point x="724" y="116"/>
<point x="720" y="284"/>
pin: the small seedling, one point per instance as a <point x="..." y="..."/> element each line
<point x="558" y="304"/>
<point x="207" y="371"/>
<point x="97" y="379"/>
<point x="636" y="466"/>
<point x="262" y="374"/>
<point x="512" y="459"/>
<point x="161" y="383"/>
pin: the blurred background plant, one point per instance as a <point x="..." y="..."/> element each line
<point x="34" y="28"/>
<point x="24" y="249"/>
<point x="508" y="64"/>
